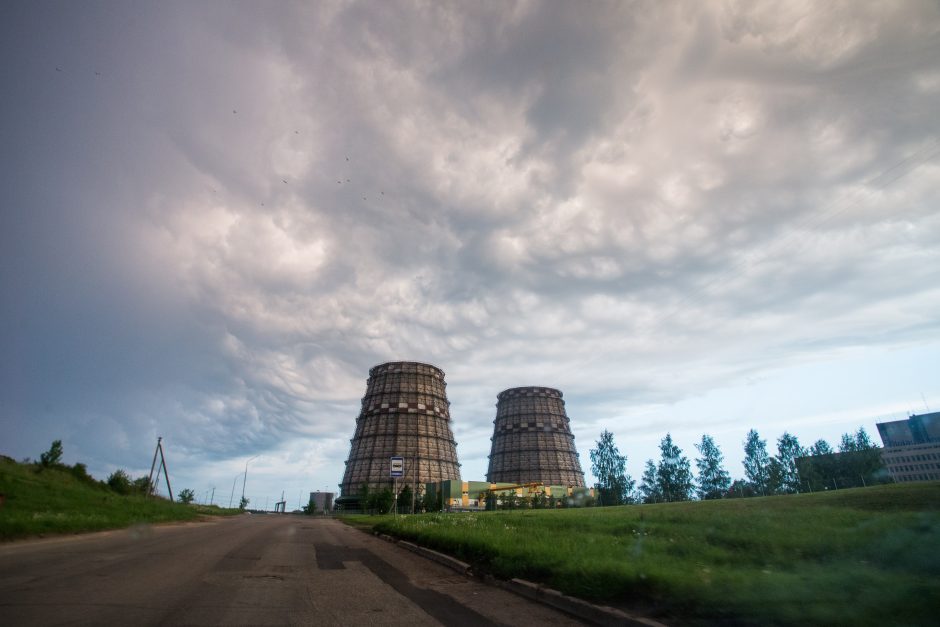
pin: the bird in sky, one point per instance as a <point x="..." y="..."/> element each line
<point x="285" y="182"/>
<point x="58" y="69"/>
<point x="234" y="111"/>
<point x="97" y="73"/>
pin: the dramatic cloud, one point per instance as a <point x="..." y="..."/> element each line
<point x="216" y="220"/>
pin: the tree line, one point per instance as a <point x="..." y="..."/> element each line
<point x="793" y="469"/>
<point x="118" y="481"/>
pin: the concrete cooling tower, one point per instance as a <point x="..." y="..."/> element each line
<point x="532" y="440"/>
<point x="405" y="413"/>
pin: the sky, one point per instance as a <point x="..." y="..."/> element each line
<point x="690" y="217"/>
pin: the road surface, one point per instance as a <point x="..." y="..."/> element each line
<point x="246" y="570"/>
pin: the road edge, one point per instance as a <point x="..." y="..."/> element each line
<point x="579" y="608"/>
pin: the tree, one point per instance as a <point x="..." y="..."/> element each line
<point x="862" y="441"/>
<point x="243" y="503"/>
<point x="433" y="501"/>
<point x="119" y="482"/>
<point x="141" y="485"/>
<point x="673" y="473"/>
<point x="404" y="500"/>
<point x="186" y="496"/>
<point x="740" y="489"/>
<point x="787" y="479"/>
<point x="614" y="486"/>
<point x="380" y="501"/>
<point x="53" y="456"/>
<point x="820" y="447"/>
<point x="863" y="464"/>
<point x="713" y="479"/>
<point x="756" y="462"/>
<point x="848" y="444"/>
<point x="649" y="485"/>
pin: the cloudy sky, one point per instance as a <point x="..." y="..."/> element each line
<point x="688" y="216"/>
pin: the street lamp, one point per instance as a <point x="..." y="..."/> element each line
<point x="246" y="476"/>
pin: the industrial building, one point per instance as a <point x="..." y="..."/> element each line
<point x="912" y="447"/>
<point x="474" y="494"/>
<point x="532" y="440"/>
<point x="321" y="501"/>
<point x="405" y="413"/>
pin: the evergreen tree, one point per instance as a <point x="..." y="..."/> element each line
<point x="713" y="479"/>
<point x="614" y="486"/>
<point x="756" y="462"/>
<point x="649" y="485"/>
<point x="673" y="473"/>
<point x="786" y="477"/>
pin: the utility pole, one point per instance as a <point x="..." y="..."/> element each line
<point x="212" y="498"/>
<point x="166" y="474"/>
<point x="232" y="497"/>
<point x="246" y="476"/>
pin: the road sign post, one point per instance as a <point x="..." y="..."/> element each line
<point x="396" y="470"/>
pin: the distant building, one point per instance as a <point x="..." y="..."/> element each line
<point x="918" y="429"/>
<point x="912" y="447"/>
<point x="473" y="494"/>
<point x="321" y="501"/>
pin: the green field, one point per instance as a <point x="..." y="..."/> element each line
<point x="863" y="556"/>
<point x="39" y="501"/>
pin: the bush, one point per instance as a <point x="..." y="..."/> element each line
<point x="80" y="472"/>
<point x="120" y="482"/>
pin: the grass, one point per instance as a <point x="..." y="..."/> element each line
<point x="865" y="556"/>
<point x="40" y="501"/>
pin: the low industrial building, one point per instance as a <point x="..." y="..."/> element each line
<point x="474" y="494"/>
<point x="321" y="501"/>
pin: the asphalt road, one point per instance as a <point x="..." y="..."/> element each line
<point x="246" y="570"/>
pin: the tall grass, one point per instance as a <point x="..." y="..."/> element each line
<point x="40" y="501"/>
<point x="864" y="556"/>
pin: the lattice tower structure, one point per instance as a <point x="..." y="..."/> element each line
<point x="405" y="413"/>
<point x="532" y="439"/>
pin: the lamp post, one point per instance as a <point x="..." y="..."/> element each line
<point x="245" y="480"/>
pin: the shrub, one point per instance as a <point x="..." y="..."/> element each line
<point x="119" y="482"/>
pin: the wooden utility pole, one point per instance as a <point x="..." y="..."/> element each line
<point x="166" y="474"/>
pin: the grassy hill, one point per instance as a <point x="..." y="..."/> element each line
<point x="39" y="501"/>
<point x="861" y="556"/>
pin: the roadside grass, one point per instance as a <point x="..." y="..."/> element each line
<point x="40" y="501"/>
<point x="865" y="556"/>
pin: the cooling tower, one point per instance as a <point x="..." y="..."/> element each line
<point x="404" y="414"/>
<point x="532" y="440"/>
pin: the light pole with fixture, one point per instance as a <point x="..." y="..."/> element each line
<point x="245" y="480"/>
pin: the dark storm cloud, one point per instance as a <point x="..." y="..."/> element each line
<point x="219" y="234"/>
